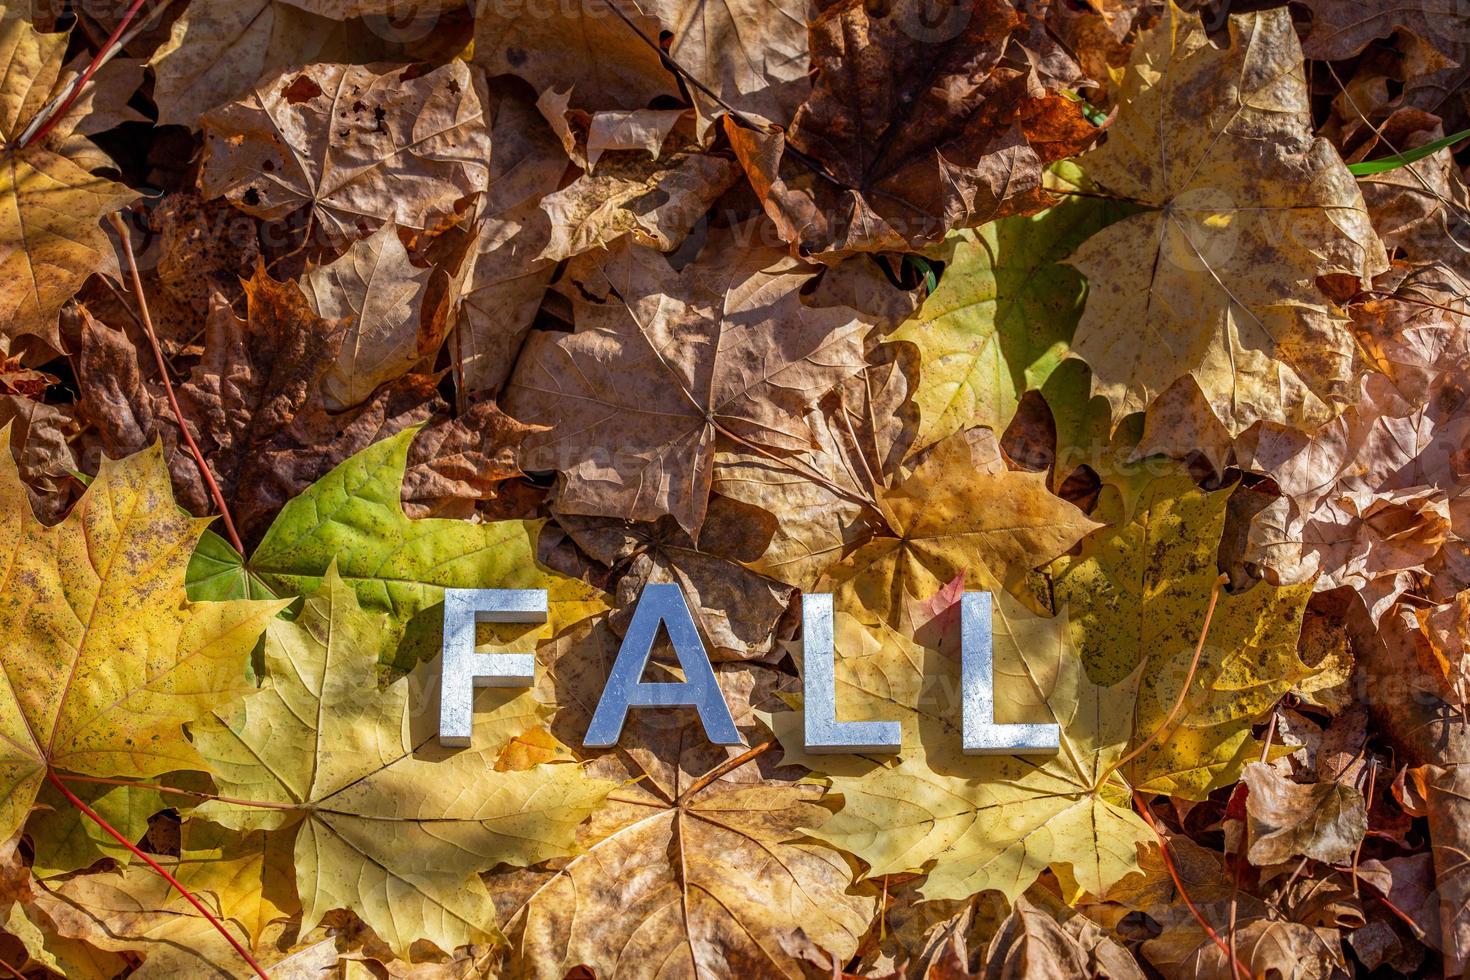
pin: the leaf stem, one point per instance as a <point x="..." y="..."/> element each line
<point x="173" y="401"/>
<point x="56" y="114"/>
<point x="92" y="815"/>
<point x="196" y="794"/>
<point x="1199" y="649"/>
<point x="1237" y="968"/>
<point x="728" y="765"/>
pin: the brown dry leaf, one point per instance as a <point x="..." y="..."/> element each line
<point x="1032" y="942"/>
<point x="736" y="609"/>
<point x="1444" y="646"/>
<point x="1324" y="820"/>
<point x="454" y="463"/>
<point x="254" y="403"/>
<point x="51" y="206"/>
<point x="656" y="197"/>
<point x="916" y="127"/>
<point x="751" y="53"/>
<point x="698" y="867"/>
<point x="1385" y="488"/>
<point x="358" y="146"/>
<point x="1436" y="50"/>
<point x="585" y="45"/>
<point x="863" y="430"/>
<point x="139" y="913"/>
<point x="504" y="277"/>
<point x="39" y="441"/>
<point x="728" y="350"/>
<point x="380" y="294"/>
<point x="217" y="48"/>
<point x="1245" y="209"/>
<point x="1423" y="210"/>
<point x="1265" y="945"/>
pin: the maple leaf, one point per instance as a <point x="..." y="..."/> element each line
<point x="960" y="512"/>
<point x="106" y="694"/>
<point x="585" y="45"/>
<point x="823" y="501"/>
<point x="358" y="147"/>
<point x="655" y="200"/>
<point x="1325" y="820"/>
<point x="737" y="355"/>
<point x="979" y="822"/>
<point x="217" y="48"/>
<point x="752" y="54"/>
<point x="386" y="822"/>
<point x="256" y="401"/>
<point x="1137" y="595"/>
<point x="1246" y="209"/>
<point x="1001" y="318"/>
<point x="696" y="863"/>
<point x="915" y="128"/>
<point x="737" y="609"/>
<point x="353" y="516"/>
<point x="380" y="294"/>
<point x="1382" y="490"/>
<point x="504" y="277"/>
<point x="51" y="239"/>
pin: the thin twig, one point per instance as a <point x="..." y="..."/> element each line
<point x="50" y="115"/>
<point x="727" y="766"/>
<point x="1184" y="689"/>
<point x="173" y="401"/>
<point x="1237" y="967"/>
<point x="92" y="815"/>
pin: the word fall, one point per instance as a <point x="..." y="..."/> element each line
<point x="664" y="605"/>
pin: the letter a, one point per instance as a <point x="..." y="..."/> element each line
<point x="661" y="604"/>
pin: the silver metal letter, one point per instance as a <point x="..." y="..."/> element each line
<point x="982" y="736"/>
<point x="824" y="733"/>
<point x="463" y="670"/>
<point x="661" y="603"/>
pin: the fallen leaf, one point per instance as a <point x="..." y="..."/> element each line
<point x="736" y="609"/>
<point x="1137" y="596"/>
<point x="381" y="295"/>
<point x="916" y="126"/>
<point x="737" y="356"/>
<point x="584" y="45"/>
<point x="1325" y="820"/>
<point x="353" y="516"/>
<point x="107" y="696"/>
<point x="356" y="146"/>
<point x="504" y="277"/>
<point x="217" y="48"/>
<point x="960" y="512"/>
<point x="1002" y="317"/>
<point x="697" y="863"/>
<point x="974" y="822"/>
<point x="1245" y="209"/>
<point x="51" y="206"/>
<point x="386" y="822"/>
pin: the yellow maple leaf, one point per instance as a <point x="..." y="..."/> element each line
<point x="385" y="821"/>
<point x="1245" y="209"/>
<point x="104" y="658"/>
<point x="50" y="204"/>
<point x="961" y="512"/>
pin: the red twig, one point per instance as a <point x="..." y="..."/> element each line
<point x="1238" y="968"/>
<point x="96" y="818"/>
<point x="173" y="401"/>
<point x="60" y="111"/>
